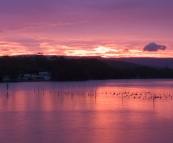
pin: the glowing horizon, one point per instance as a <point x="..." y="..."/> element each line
<point x="106" y="28"/>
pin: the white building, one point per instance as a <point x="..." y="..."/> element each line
<point x="6" y="78"/>
<point x="45" y="75"/>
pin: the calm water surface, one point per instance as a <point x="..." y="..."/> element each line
<point x="113" y="111"/>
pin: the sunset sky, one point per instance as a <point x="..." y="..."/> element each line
<point x="107" y="28"/>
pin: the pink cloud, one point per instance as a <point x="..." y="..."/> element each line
<point x="82" y="26"/>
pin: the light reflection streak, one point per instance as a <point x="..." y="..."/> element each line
<point x="101" y="97"/>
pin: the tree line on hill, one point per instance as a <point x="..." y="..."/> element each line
<point x="63" y="69"/>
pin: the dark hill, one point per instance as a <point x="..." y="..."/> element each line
<point x="79" y="68"/>
<point x="153" y="62"/>
<point x="120" y="64"/>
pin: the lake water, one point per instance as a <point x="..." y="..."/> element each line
<point x="111" y="111"/>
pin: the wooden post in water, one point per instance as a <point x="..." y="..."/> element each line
<point x="153" y="100"/>
<point x="7" y="86"/>
<point x="122" y="98"/>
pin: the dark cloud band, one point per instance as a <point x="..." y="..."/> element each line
<point x="152" y="47"/>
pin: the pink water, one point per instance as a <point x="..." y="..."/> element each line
<point x="113" y="111"/>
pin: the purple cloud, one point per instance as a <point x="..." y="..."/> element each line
<point x="152" y="47"/>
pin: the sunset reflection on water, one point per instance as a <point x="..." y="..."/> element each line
<point x="90" y="112"/>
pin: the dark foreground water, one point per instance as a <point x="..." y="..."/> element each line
<point x="114" y="111"/>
